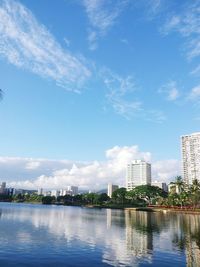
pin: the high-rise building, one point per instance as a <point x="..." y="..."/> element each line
<point x="70" y="190"/>
<point x="55" y="193"/>
<point x="111" y="189"/>
<point x="161" y="185"/>
<point x="40" y="191"/>
<point x="3" y="188"/>
<point x="190" y="145"/>
<point x="138" y="173"/>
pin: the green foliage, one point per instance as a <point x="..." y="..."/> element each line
<point x="32" y="198"/>
<point x="119" y="195"/>
<point x="140" y="196"/>
<point x="183" y="195"/>
<point x="101" y="198"/>
<point x="5" y="197"/>
<point x="195" y="193"/>
<point x="48" y="200"/>
<point x="150" y="194"/>
<point x="19" y="197"/>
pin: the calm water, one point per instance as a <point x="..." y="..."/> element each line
<point x="33" y="235"/>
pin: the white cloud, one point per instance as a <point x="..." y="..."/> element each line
<point x="171" y="91"/>
<point x="31" y="165"/>
<point x="27" y="44"/>
<point x="102" y="15"/>
<point x="165" y="170"/>
<point x="195" y="93"/>
<point x="52" y="174"/>
<point x="196" y="71"/>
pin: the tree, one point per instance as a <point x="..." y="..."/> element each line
<point x="19" y="197"/>
<point x="48" y="200"/>
<point x="89" y="197"/>
<point x="195" y="192"/>
<point x="178" y="192"/>
<point x="149" y="193"/>
<point x="131" y="195"/>
<point x="103" y="197"/>
<point x="119" y="195"/>
<point x="179" y="183"/>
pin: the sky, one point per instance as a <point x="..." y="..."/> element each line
<point x="90" y="85"/>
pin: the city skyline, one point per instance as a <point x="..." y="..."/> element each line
<point x="100" y="85"/>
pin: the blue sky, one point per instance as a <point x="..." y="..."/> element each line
<point x="83" y="77"/>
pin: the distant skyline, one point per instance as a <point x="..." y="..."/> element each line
<point x="90" y="85"/>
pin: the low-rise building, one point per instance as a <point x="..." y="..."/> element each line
<point x="111" y="189"/>
<point x="161" y="185"/>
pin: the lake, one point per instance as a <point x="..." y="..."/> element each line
<point x="39" y="235"/>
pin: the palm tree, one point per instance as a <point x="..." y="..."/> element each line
<point x="179" y="191"/>
<point x="179" y="183"/>
<point x="195" y="192"/>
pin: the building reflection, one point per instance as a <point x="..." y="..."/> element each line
<point x="139" y="242"/>
<point x="126" y="237"/>
<point x="187" y="238"/>
<point x="132" y="245"/>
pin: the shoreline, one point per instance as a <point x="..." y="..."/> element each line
<point x="165" y="210"/>
<point x="134" y="209"/>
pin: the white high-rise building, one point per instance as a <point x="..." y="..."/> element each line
<point x="55" y="193"/>
<point x="138" y="173"/>
<point x="70" y="190"/>
<point x="190" y="145"/>
<point x="111" y="189"/>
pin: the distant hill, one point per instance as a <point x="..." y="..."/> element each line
<point x="98" y="192"/>
<point x="102" y="191"/>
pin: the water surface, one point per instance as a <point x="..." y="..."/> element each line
<point x="39" y="235"/>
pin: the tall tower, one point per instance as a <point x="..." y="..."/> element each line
<point x="138" y="173"/>
<point x="190" y="145"/>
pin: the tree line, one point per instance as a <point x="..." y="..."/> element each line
<point x="180" y="195"/>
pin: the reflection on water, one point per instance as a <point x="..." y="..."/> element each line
<point x="34" y="234"/>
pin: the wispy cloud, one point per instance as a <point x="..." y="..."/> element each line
<point x="187" y="23"/>
<point x="102" y="15"/>
<point x="27" y="44"/>
<point x="120" y="93"/>
<point x="170" y="90"/>
<point x="153" y="7"/>
<point x="194" y="94"/>
<point x="122" y="96"/>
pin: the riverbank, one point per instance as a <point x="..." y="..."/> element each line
<point x="165" y="210"/>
